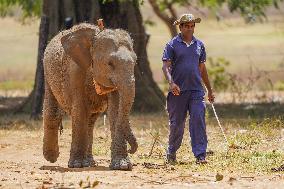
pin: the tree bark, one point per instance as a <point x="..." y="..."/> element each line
<point x="83" y="9"/>
<point x="68" y="9"/>
<point x="39" y="78"/>
<point x="54" y="18"/>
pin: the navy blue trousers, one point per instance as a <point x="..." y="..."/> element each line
<point x="178" y="106"/>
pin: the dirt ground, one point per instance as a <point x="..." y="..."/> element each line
<point x="22" y="166"/>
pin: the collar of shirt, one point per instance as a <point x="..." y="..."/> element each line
<point x="187" y="45"/>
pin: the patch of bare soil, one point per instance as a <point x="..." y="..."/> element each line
<point x="22" y="166"/>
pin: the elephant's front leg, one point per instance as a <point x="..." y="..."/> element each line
<point x="119" y="155"/>
<point x="79" y="114"/>
<point x="88" y="159"/>
<point x="52" y="119"/>
<point x="79" y="134"/>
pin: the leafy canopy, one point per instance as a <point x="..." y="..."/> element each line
<point x="247" y="8"/>
<point x="31" y="8"/>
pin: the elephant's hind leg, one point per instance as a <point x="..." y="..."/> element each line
<point x="89" y="159"/>
<point x="52" y="119"/>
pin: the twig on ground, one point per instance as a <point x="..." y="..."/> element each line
<point x="247" y="177"/>
<point x="173" y="178"/>
<point x="159" y="141"/>
<point x="153" y="145"/>
<point x="153" y="165"/>
<point x="150" y="181"/>
<point x="278" y="169"/>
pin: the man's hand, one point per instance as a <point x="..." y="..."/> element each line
<point x="211" y="97"/>
<point x="204" y="75"/>
<point x="174" y="89"/>
<point x="166" y="69"/>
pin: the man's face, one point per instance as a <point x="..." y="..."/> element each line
<point x="187" y="28"/>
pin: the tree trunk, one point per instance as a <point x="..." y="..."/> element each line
<point x="39" y="78"/>
<point x="116" y="14"/>
<point x="38" y="94"/>
<point x="54" y="18"/>
<point x="83" y="9"/>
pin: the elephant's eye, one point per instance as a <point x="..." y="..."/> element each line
<point x="110" y="63"/>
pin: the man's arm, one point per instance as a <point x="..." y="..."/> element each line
<point x="166" y="69"/>
<point x="204" y="75"/>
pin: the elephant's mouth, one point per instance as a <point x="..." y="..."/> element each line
<point x="103" y="89"/>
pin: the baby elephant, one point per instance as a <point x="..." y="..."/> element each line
<point x="86" y="72"/>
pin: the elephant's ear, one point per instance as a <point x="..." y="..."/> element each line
<point x="77" y="45"/>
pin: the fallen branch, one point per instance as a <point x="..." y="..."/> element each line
<point x="153" y="165"/>
<point x="278" y="169"/>
<point x="149" y="181"/>
<point x="247" y="177"/>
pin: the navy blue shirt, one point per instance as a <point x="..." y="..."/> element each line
<point x="185" y="60"/>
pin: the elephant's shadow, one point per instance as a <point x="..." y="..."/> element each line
<point x="64" y="169"/>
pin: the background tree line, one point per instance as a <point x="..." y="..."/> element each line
<point x="123" y="14"/>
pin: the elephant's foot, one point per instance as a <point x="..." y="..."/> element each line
<point x="89" y="161"/>
<point x="75" y="163"/>
<point x="51" y="155"/>
<point x="84" y="162"/>
<point x="121" y="163"/>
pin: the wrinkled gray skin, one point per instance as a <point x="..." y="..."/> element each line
<point x="74" y="60"/>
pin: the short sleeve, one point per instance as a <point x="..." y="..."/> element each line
<point x="202" y="57"/>
<point x="168" y="53"/>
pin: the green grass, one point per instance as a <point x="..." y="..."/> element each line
<point x="21" y="85"/>
<point x="280" y="85"/>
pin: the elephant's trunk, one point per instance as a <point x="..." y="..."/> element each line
<point x="126" y="98"/>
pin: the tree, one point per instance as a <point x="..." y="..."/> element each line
<point x="116" y="14"/>
<point x="249" y="9"/>
<point x="37" y="92"/>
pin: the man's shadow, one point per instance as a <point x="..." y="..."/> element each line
<point x="64" y="169"/>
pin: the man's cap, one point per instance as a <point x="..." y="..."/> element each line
<point x="187" y="18"/>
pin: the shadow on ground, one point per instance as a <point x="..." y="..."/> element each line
<point x="64" y="169"/>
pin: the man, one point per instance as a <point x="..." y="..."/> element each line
<point x="184" y="67"/>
